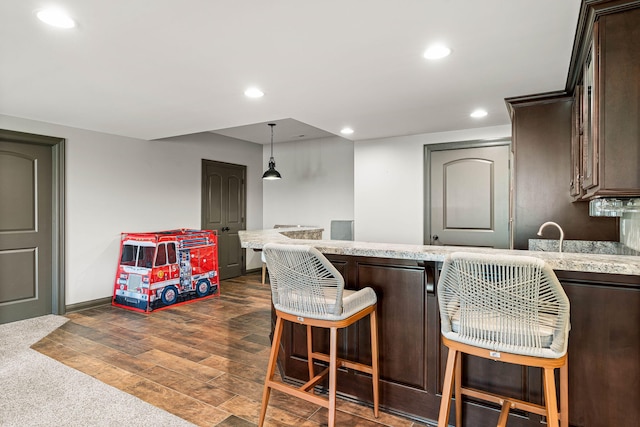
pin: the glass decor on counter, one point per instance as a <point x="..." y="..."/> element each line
<point x="613" y="207"/>
<point x="605" y="207"/>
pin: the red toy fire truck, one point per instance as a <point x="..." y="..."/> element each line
<point x="161" y="269"/>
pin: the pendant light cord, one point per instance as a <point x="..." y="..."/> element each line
<point x="272" y="125"/>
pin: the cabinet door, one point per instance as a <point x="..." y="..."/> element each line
<point x="590" y="106"/>
<point x="604" y="344"/>
<point x="575" y="179"/>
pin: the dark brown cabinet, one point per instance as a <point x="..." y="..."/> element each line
<point x="608" y="129"/>
<point x="541" y="143"/>
<point x="604" y="344"/>
<point x="586" y="138"/>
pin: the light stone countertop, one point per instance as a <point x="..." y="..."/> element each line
<point x="582" y="246"/>
<point x="591" y="263"/>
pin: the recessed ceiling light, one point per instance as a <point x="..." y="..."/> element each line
<point x="346" y="131"/>
<point x="478" y="113"/>
<point x="56" y="18"/>
<point x="254" y="92"/>
<point x="437" y="51"/>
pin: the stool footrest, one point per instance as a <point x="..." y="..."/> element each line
<point x="344" y="363"/>
<point x="500" y="400"/>
<point x="300" y="393"/>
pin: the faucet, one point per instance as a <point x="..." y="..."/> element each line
<point x="559" y="228"/>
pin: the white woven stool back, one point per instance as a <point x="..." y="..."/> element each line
<point x="304" y="282"/>
<point x="504" y="303"/>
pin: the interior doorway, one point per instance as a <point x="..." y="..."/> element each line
<point x="467" y="187"/>
<point x="31" y="226"/>
<point x="224" y="209"/>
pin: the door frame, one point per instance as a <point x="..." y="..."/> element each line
<point x="57" y="209"/>
<point x="457" y="145"/>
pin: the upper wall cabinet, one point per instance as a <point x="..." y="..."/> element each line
<point x="606" y="117"/>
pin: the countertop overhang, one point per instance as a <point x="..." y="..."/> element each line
<point x="590" y="263"/>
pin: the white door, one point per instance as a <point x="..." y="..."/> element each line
<point x="469" y="197"/>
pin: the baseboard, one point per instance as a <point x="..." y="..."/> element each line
<point x="87" y="304"/>
<point x="106" y="301"/>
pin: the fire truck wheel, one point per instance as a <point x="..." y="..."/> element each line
<point x="169" y="295"/>
<point x="202" y="288"/>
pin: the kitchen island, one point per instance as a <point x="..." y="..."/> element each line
<point x="604" y="342"/>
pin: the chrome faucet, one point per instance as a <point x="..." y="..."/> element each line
<point x="559" y="228"/>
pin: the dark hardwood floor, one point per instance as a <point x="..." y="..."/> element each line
<point x="204" y="361"/>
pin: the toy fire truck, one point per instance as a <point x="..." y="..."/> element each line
<point x="161" y="269"/>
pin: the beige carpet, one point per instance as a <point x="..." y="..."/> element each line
<point x="36" y="390"/>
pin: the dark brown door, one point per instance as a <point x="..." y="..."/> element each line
<point x="25" y="230"/>
<point x="223" y="209"/>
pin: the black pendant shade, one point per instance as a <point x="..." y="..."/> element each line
<point x="271" y="173"/>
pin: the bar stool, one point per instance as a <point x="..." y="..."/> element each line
<point x="308" y="290"/>
<point x="505" y="308"/>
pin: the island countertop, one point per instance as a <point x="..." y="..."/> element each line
<point x="589" y="263"/>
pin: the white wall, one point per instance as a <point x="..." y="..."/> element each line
<point x="389" y="183"/>
<point x="316" y="185"/>
<point x="116" y="184"/>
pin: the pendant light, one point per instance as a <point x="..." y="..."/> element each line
<point x="271" y="173"/>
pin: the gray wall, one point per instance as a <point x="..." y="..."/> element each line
<point x="316" y="185"/>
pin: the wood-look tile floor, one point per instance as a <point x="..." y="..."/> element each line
<point x="204" y="362"/>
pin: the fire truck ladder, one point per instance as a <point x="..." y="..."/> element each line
<point x="194" y="241"/>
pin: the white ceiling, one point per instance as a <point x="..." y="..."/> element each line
<point x="153" y="69"/>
